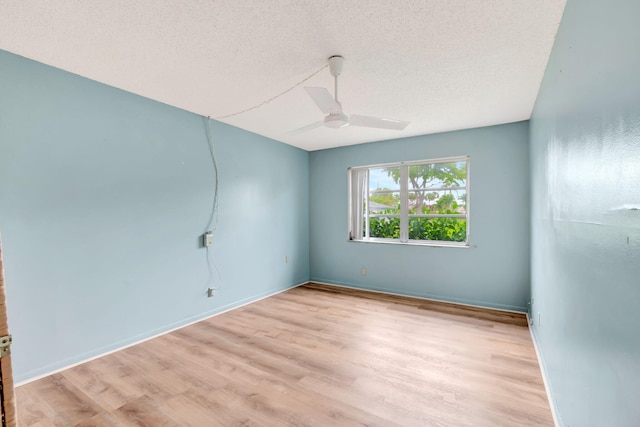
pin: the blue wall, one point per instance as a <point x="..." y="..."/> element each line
<point x="493" y="272"/>
<point x="103" y="197"/>
<point x="585" y="161"/>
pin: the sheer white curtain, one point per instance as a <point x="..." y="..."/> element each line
<point x="357" y="196"/>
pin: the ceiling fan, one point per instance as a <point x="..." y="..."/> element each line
<point x="330" y="106"/>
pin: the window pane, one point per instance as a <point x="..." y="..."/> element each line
<point x="444" y="229"/>
<point x="384" y="202"/>
<point x="384" y="227"/>
<point x="384" y="198"/>
<point x="384" y="178"/>
<point x="438" y="175"/>
<point x="438" y="188"/>
<point x="438" y="202"/>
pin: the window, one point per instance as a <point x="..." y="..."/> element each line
<point x="422" y="202"/>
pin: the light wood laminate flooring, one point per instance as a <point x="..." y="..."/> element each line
<point x="313" y="355"/>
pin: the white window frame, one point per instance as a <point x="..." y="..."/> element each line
<point x="359" y="193"/>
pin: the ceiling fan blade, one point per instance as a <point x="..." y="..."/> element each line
<point x="323" y="99"/>
<point x="375" y="122"/>
<point x="305" y="128"/>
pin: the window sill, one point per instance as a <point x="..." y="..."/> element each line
<point x="430" y="243"/>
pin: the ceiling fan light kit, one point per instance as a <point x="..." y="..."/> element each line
<point x="335" y="118"/>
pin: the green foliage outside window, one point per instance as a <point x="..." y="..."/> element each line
<point x="443" y="229"/>
<point x="446" y="229"/>
<point x="384" y="227"/>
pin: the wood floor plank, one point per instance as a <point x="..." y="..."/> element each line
<point x="108" y="391"/>
<point x="60" y="402"/>
<point x="315" y="355"/>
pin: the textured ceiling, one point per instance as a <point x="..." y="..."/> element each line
<point x="440" y="64"/>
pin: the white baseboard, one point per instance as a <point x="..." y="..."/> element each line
<point x="543" y="371"/>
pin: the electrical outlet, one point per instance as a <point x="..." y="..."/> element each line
<point x="363" y="271"/>
<point x="210" y="292"/>
<point x="207" y="239"/>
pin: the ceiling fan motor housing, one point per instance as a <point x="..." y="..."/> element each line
<point x="336" y="120"/>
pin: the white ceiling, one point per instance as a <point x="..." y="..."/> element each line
<point x="440" y="64"/>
